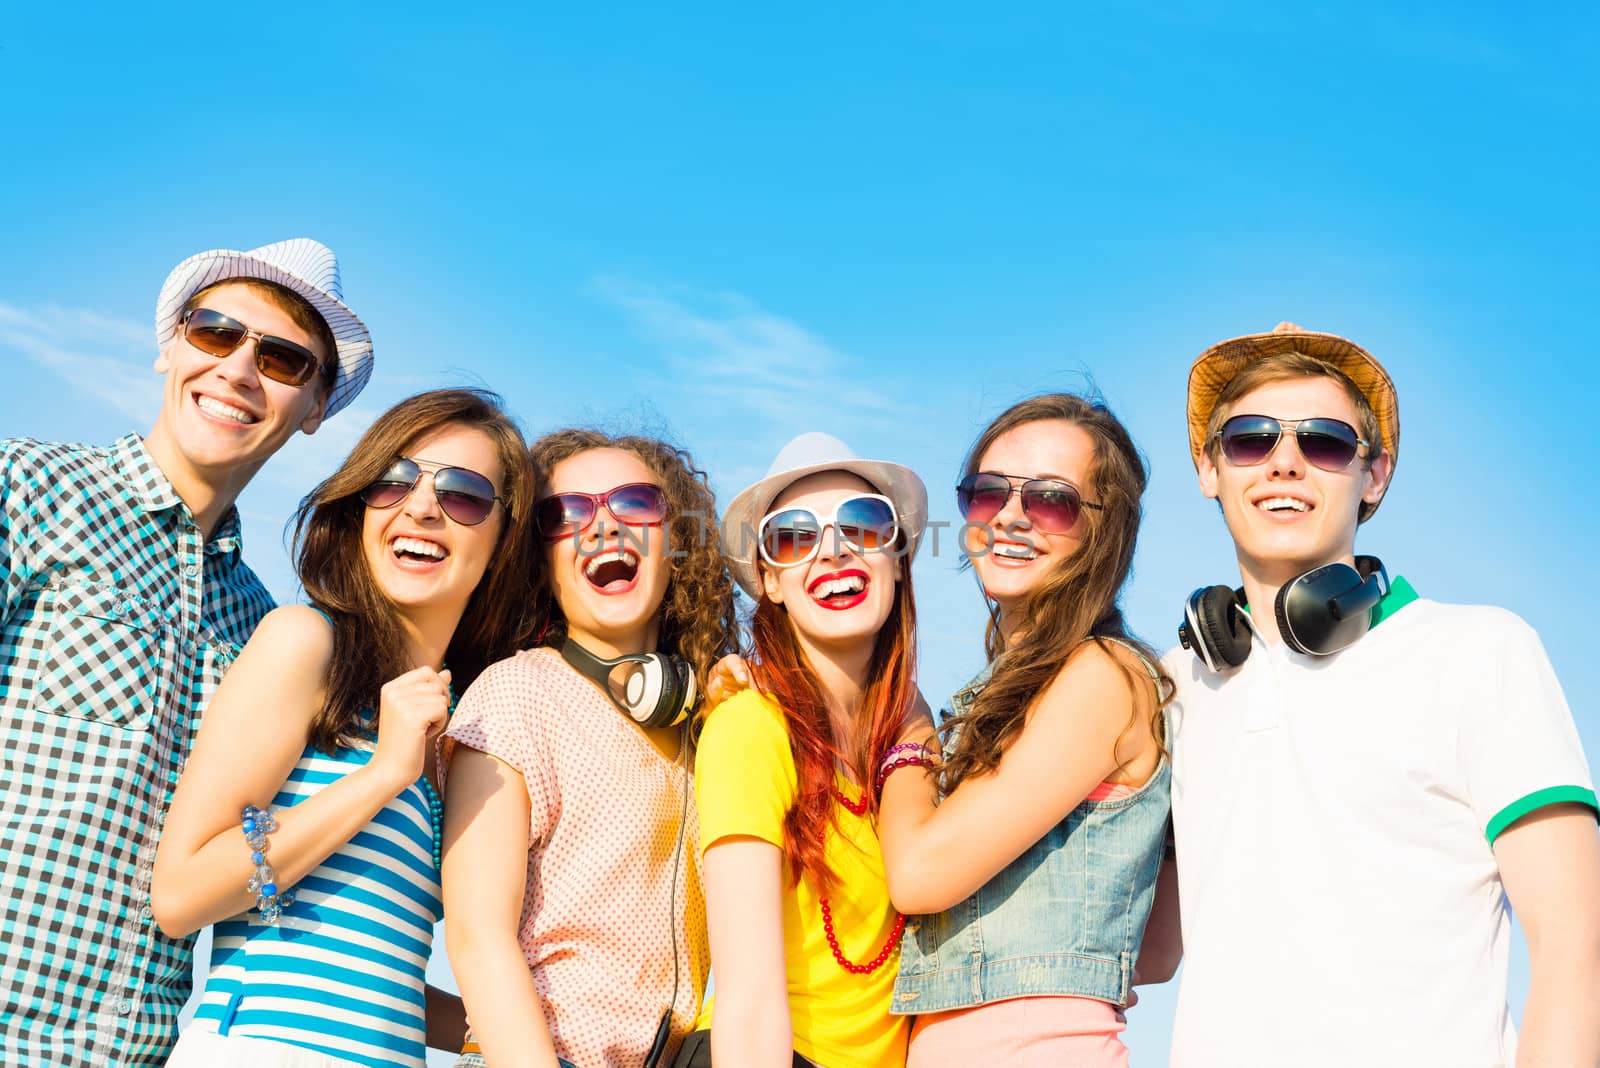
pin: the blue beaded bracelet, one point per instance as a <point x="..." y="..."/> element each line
<point x="256" y="824"/>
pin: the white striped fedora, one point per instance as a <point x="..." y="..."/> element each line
<point x="307" y="267"/>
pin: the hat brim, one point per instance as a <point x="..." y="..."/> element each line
<point x="740" y="538"/>
<point x="351" y="337"/>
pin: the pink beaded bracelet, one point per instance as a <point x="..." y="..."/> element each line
<point x="895" y="765"/>
<point x="903" y="747"/>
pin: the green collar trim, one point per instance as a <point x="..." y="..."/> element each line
<point x="1400" y="594"/>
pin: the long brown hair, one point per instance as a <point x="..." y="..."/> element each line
<point x="781" y="670"/>
<point x="1076" y="602"/>
<point x="368" y="641"/>
<point x="697" y="611"/>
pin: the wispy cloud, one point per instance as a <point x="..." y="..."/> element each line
<point x="102" y="358"/>
<point x="723" y="347"/>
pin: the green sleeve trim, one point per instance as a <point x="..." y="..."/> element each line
<point x="1553" y="795"/>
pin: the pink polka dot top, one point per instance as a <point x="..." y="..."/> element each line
<point x="597" y="928"/>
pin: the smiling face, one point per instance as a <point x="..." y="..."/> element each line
<point x="1010" y="553"/>
<point x="609" y="579"/>
<point x="220" y="417"/>
<point x="1286" y="515"/>
<point x="840" y="598"/>
<point x="420" y="557"/>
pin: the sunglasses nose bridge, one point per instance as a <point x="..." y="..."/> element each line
<point x="1013" y="510"/>
<point x="1286" y="460"/>
<point x="243" y="361"/>
<point x="422" y="503"/>
<point x="831" y="544"/>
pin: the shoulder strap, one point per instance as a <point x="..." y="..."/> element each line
<point x="321" y="613"/>
<point x="1149" y="668"/>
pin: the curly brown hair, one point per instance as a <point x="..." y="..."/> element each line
<point x="368" y="642"/>
<point x="697" y="618"/>
<point x="1074" y="604"/>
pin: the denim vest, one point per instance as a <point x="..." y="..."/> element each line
<point x="1064" y="918"/>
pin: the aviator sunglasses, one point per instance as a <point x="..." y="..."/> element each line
<point x="464" y="495"/>
<point x="636" y="504"/>
<point x="279" y="359"/>
<point x="1330" y="444"/>
<point x="793" y="536"/>
<point x="1050" y="504"/>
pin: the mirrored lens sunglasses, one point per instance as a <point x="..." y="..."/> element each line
<point x="1330" y="444"/>
<point x="793" y="536"/>
<point x="563" y="515"/>
<point x="278" y="358"/>
<point x="464" y="495"/>
<point x="1050" y="504"/>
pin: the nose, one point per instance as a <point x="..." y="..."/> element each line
<point x="239" y="366"/>
<point x="831" y="546"/>
<point x="1011" y="515"/>
<point x="1286" y="460"/>
<point x="422" y="504"/>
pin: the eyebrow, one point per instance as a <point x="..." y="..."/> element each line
<point x="1033" y="478"/>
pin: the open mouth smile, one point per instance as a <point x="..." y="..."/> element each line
<point x="1013" y="552"/>
<point x="1283" y="506"/>
<point x="417" y="554"/>
<point x="613" y="572"/>
<point x="838" y="591"/>
<point x="222" y="412"/>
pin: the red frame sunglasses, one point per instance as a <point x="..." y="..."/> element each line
<point x="633" y="504"/>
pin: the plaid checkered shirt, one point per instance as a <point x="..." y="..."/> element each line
<point x="117" y="621"/>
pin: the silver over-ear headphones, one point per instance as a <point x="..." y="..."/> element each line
<point x="1319" y="613"/>
<point x="658" y="690"/>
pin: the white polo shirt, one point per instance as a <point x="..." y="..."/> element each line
<point x="1341" y="904"/>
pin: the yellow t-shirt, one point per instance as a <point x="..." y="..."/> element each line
<point x="745" y="783"/>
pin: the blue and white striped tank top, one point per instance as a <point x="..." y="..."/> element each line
<point x="342" y="972"/>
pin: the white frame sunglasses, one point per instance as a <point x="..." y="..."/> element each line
<point x="832" y="521"/>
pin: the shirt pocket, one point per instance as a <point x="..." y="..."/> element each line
<point x="106" y="658"/>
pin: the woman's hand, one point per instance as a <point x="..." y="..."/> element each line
<point x="412" y="709"/>
<point x="728" y="676"/>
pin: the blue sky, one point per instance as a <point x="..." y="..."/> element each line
<point x="888" y="223"/>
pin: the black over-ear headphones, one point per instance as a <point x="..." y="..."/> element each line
<point x="658" y="691"/>
<point x="1319" y="612"/>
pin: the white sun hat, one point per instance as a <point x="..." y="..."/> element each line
<point x="300" y="264"/>
<point x="810" y="454"/>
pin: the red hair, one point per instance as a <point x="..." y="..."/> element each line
<point x="781" y="670"/>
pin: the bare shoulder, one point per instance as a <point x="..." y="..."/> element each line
<point x="293" y="631"/>
<point x="1107" y="676"/>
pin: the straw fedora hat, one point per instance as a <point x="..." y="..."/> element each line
<point x="300" y="264"/>
<point x="1217" y="366"/>
<point x="810" y="454"/>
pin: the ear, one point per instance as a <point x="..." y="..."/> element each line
<point x="314" y="415"/>
<point x="769" y="583"/>
<point x="1376" y="481"/>
<point x="163" y="362"/>
<point x="1207" y="472"/>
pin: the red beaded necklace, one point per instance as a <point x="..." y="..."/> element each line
<point x="858" y="807"/>
<point x="883" y="954"/>
<point x="893" y="943"/>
